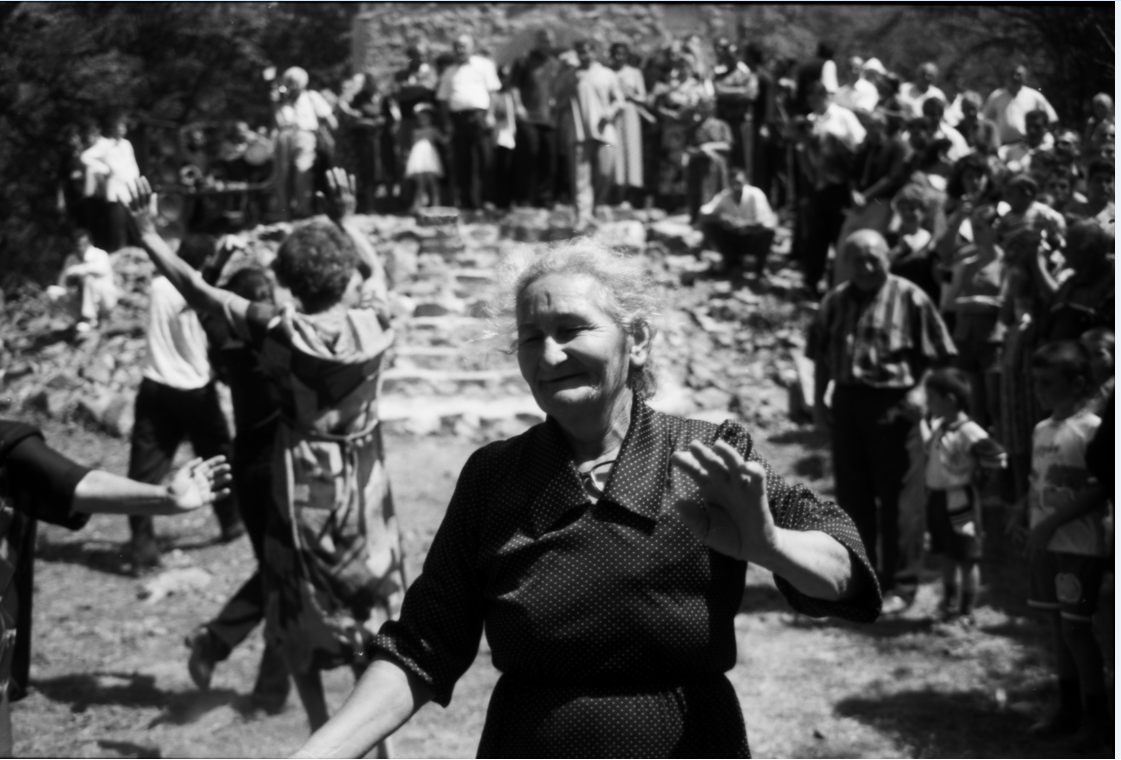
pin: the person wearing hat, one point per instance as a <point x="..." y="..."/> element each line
<point x="300" y="114"/>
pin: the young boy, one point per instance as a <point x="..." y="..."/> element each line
<point x="1099" y="342"/>
<point x="1066" y="544"/>
<point x="86" y="287"/>
<point x="957" y="449"/>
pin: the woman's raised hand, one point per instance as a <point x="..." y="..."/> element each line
<point x="140" y="205"/>
<point x="199" y="483"/>
<point x="735" y="518"/>
<point x="340" y="194"/>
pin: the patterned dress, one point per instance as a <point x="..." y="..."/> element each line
<point x="611" y="623"/>
<point x="335" y="569"/>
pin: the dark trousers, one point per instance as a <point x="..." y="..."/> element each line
<point x="252" y="474"/>
<point x="825" y="215"/>
<point x="108" y="224"/>
<point x="471" y="157"/>
<point x="535" y="156"/>
<point x="735" y="244"/>
<point x="166" y="416"/>
<point x="505" y="176"/>
<point x="870" y="462"/>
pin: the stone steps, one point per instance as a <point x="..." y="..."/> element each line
<point x="465" y="357"/>
<point x="488" y="383"/>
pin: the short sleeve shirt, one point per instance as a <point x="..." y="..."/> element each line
<point x="469" y="86"/>
<point x="883" y="340"/>
<point x="1058" y="474"/>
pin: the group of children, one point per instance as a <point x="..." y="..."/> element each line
<point x="1068" y="532"/>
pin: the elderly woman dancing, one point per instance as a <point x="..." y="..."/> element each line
<point x="334" y="569"/>
<point x="604" y="550"/>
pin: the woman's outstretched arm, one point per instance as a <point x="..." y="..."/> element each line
<point x="200" y="295"/>
<point x="384" y="698"/>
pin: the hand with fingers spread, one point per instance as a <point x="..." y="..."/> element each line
<point x="340" y="196"/>
<point x="140" y="205"/>
<point x="735" y="518"/>
<point x="199" y="483"/>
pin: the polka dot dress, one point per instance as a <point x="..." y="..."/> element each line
<point x="612" y="625"/>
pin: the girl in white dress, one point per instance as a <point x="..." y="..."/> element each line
<point x="424" y="167"/>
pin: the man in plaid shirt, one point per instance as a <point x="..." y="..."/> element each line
<point x="873" y="339"/>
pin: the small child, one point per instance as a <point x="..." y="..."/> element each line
<point x="424" y="167"/>
<point x="86" y="288"/>
<point x="957" y="451"/>
<point x="911" y="254"/>
<point x="1066" y="544"/>
<point x="1099" y="342"/>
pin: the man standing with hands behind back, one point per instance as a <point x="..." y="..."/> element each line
<point x="466" y="98"/>
<point x="874" y="338"/>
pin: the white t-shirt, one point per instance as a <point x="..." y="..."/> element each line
<point x="911" y="100"/>
<point x="468" y="86"/>
<point x="752" y="207"/>
<point x="116" y="161"/>
<point x="950" y="461"/>
<point x="304" y="112"/>
<point x="176" y="341"/>
<point x="1008" y="112"/>
<point x="861" y="95"/>
<point x="1058" y="473"/>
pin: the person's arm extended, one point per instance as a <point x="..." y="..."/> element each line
<point x="196" y="484"/>
<point x="735" y="519"/>
<point x="1089" y="499"/>
<point x="382" y="701"/>
<point x="199" y="294"/>
<point x="1046" y="284"/>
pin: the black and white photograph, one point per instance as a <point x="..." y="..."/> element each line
<point x="576" y="379"/>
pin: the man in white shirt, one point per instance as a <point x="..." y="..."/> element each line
<point x="913" y="94"/>
<point x="111" y="162"/>
<point x="862" y="94"/>
<point x="86" y="287"/>
<point x="739" y="222"/>
<point x="177" y="400"/>
<point x="466" y="97"/>
<point x="1009" y="106"/>
<point x="300" y="113"/>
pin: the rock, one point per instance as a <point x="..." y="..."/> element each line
<point x="181" y="580"/>
<point x="714" y="398"/>
<point x="54" y="402"/>
<point x="98" y="373"/>
<point x="119" y="417"/>
<point x="628" y="236"/>
<point x="677" y="236"/>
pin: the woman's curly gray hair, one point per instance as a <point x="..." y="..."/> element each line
<point x="628" y="293"/>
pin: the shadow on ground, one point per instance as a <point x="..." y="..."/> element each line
<point x="932" y="723"/>
<point x="84" y="690"/>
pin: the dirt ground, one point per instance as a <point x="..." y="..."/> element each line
<point x="109" y="674"/>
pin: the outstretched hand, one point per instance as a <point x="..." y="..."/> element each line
<point x="199" y="483"/>
<point x="340" y="195"/>
<point x="734" y="518"/>
<point x="140" y="205"/>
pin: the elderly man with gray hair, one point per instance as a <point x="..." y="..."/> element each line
<point x="913" y="94"/>
<point x="873" y="339"/>
<point x="300" y="114"/>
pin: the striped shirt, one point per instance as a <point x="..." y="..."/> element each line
<point x="882" y="340"/>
